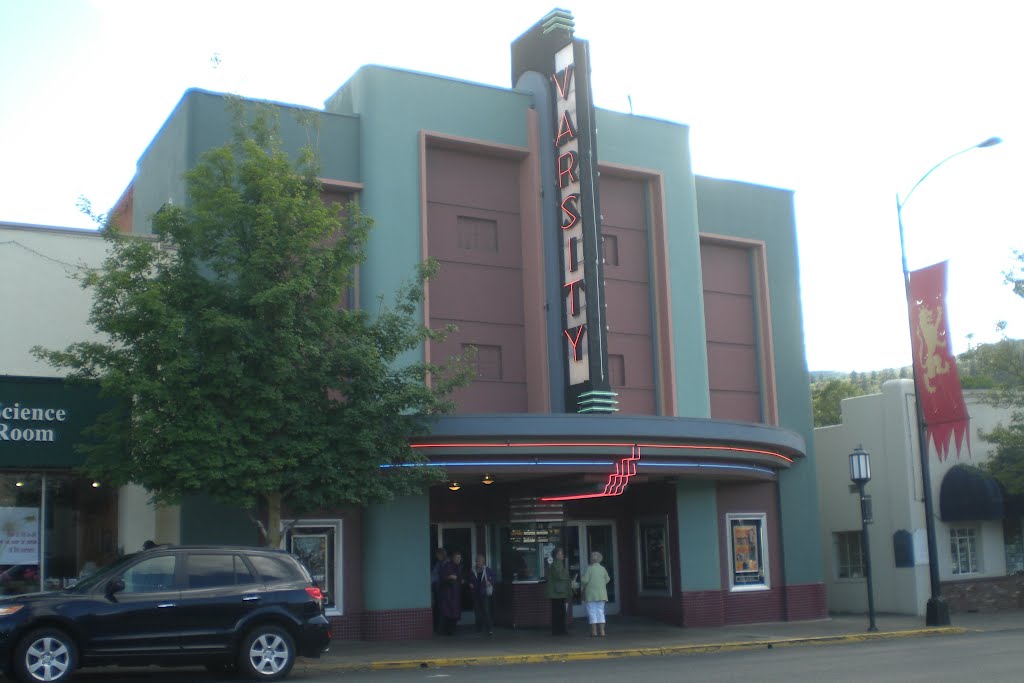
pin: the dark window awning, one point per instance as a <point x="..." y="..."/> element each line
<point x="968" y="494"/>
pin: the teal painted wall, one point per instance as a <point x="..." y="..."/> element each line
<point x="396" y="554"/>
<point x="764" y="213"/>
<point x="394" y="107"/>
<point x="204" y="521"/>
<point x="663" y="146"/>
<point x="203" y="120"/>
<point x="700" y="557"/>
<point x="158" y="177"/>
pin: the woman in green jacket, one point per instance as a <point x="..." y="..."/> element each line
<point x="595" y="593"/>
<point x="557" y="590"/>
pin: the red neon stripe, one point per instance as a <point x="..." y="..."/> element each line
<point x="617" y="481"/>
<point x="738" y="449"/>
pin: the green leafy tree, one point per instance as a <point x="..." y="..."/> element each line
<point x="1001" y="365"/>
<point x="1007" y="462"/>
<point x="240" y="374"/>
<point x="826" y="398"/>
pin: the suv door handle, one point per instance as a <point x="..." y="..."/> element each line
<point x="250" y="598"/>
<point x="164" y="605"/>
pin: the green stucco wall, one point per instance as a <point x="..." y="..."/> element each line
<point x="764" y="213"/>
<point x="700" y="559"/>
<point x="202" y="121"/>
<point x="396" y="554"/>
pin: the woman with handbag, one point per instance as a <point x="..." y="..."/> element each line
<point x="481" y="582"/>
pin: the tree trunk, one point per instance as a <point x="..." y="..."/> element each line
<point x="274" y="533"/>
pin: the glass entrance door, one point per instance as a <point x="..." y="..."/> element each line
<point x="583" y="538"/>
<point x="460" y="537"/>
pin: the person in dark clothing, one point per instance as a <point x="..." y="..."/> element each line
<point x="558" y="591"/>
<point x="450" y="593"/>
<point x="440" y="557"/>
<point x="481" y="582"/>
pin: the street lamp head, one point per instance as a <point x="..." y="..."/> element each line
<point x="860" y="466"/>
<point x="991" y="142"/>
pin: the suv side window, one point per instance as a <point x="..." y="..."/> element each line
<point x="208" y="570"/>
<point x="273" y="569"/>
<point x="152" y="575"/>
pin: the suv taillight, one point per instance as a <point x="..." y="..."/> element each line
<point x="315" y="593"/>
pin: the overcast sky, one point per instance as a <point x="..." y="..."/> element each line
<point x="845" y="103"/>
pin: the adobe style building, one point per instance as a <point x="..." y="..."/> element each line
<point x="641" y="386"/>
<point x="978" y="531"/>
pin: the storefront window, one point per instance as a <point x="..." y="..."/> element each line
<point x="54" y="529"/>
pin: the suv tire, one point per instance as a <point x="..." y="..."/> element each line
<point x="267" y="654"/>
<point x="46" y="654"/>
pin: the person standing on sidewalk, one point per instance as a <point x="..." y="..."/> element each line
<point x="481" y="582"/>
<point x="450" y="593"/>
<point x="440" y="557"/>
<point x="595" y="593"/>
<point x="557" y="590"/>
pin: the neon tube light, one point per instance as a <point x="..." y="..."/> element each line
<point x="592" y="444"/>
<point x="625" y="469"/>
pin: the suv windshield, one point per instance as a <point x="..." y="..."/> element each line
<point x="101" y="575"/>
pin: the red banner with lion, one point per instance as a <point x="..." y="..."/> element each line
<point x="938" y="383"/>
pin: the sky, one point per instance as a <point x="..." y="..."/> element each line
<point x="847" y="104"/>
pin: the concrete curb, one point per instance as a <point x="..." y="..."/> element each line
<point x="502" y="660"/>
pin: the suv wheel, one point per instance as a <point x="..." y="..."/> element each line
<point x="268" y="653"/>
<point x="45" y="655"/>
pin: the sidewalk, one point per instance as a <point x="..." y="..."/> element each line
<point x="633" y="637"/>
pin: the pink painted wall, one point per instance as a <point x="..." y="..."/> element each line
<point x="628" y="292"/>
<point x="474" y="231"/>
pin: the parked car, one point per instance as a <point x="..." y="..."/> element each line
<point x="251" y="610"/>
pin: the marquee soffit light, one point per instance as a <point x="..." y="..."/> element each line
<point x="488" y="479"/>
<point x="454" y="486"/>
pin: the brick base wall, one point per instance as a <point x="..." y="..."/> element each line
<point x="664" y="609"/>
<point x="984" y="595"/>
<point x="398" y="624"/>
<point x="721" y="608"/>
<point x="806" y="601"/>
<point x="754" y="607"/>
<point x="703" y="608"/>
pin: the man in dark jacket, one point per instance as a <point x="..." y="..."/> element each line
<point x="557" y="590"/>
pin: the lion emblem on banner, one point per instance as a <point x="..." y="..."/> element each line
<point x="932" y="345"/>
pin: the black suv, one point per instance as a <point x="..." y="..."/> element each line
<point x="250" y="610"/>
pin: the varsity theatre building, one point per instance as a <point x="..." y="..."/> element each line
<point x="641" y="387"/>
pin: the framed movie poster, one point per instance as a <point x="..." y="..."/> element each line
<point x="316" y="548"/>
<point x="653" y="555"/>
<point x="747" y="551"/>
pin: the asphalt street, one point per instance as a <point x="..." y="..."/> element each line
<point x="975" y="656"/>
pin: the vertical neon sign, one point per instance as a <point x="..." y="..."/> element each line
<point x="574" y="280"/>
<point x="549" y="62"/>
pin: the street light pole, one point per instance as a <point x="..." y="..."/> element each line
<point x="937" y="611"/>
<point x="860" y="474"/>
